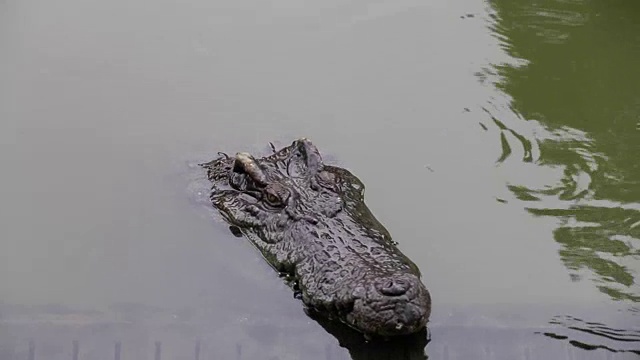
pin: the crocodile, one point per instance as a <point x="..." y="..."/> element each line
<point x="311" y="224"/>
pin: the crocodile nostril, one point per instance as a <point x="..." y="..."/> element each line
<point x="394" y="287"/>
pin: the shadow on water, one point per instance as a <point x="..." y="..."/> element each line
<point x="574" y="80"/>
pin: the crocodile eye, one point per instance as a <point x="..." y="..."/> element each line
<point x="272" y="199"/>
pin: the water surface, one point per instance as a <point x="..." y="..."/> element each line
<point x="497" y="140"/>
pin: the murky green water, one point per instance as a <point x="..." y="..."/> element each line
<point x="578" y="81"/>
<point x="497" y="140"/>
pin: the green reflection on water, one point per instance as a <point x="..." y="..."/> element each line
<point x="580" y="78"/>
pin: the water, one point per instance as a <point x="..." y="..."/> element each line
<point x="497" y="140"/>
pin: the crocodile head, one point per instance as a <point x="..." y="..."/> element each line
<point x="310" y="222"/>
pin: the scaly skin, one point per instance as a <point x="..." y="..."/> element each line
<point x="310" y="221"/>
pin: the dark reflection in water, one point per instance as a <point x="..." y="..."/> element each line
<point x="576" y="75"/>
<point x="401" y="348"/>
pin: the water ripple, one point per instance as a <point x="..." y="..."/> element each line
<point x="594" y="335"/>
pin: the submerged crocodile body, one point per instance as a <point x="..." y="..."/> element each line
<point x="310" y="222"/>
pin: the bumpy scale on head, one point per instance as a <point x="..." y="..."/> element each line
<point x="310" y="220"/>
